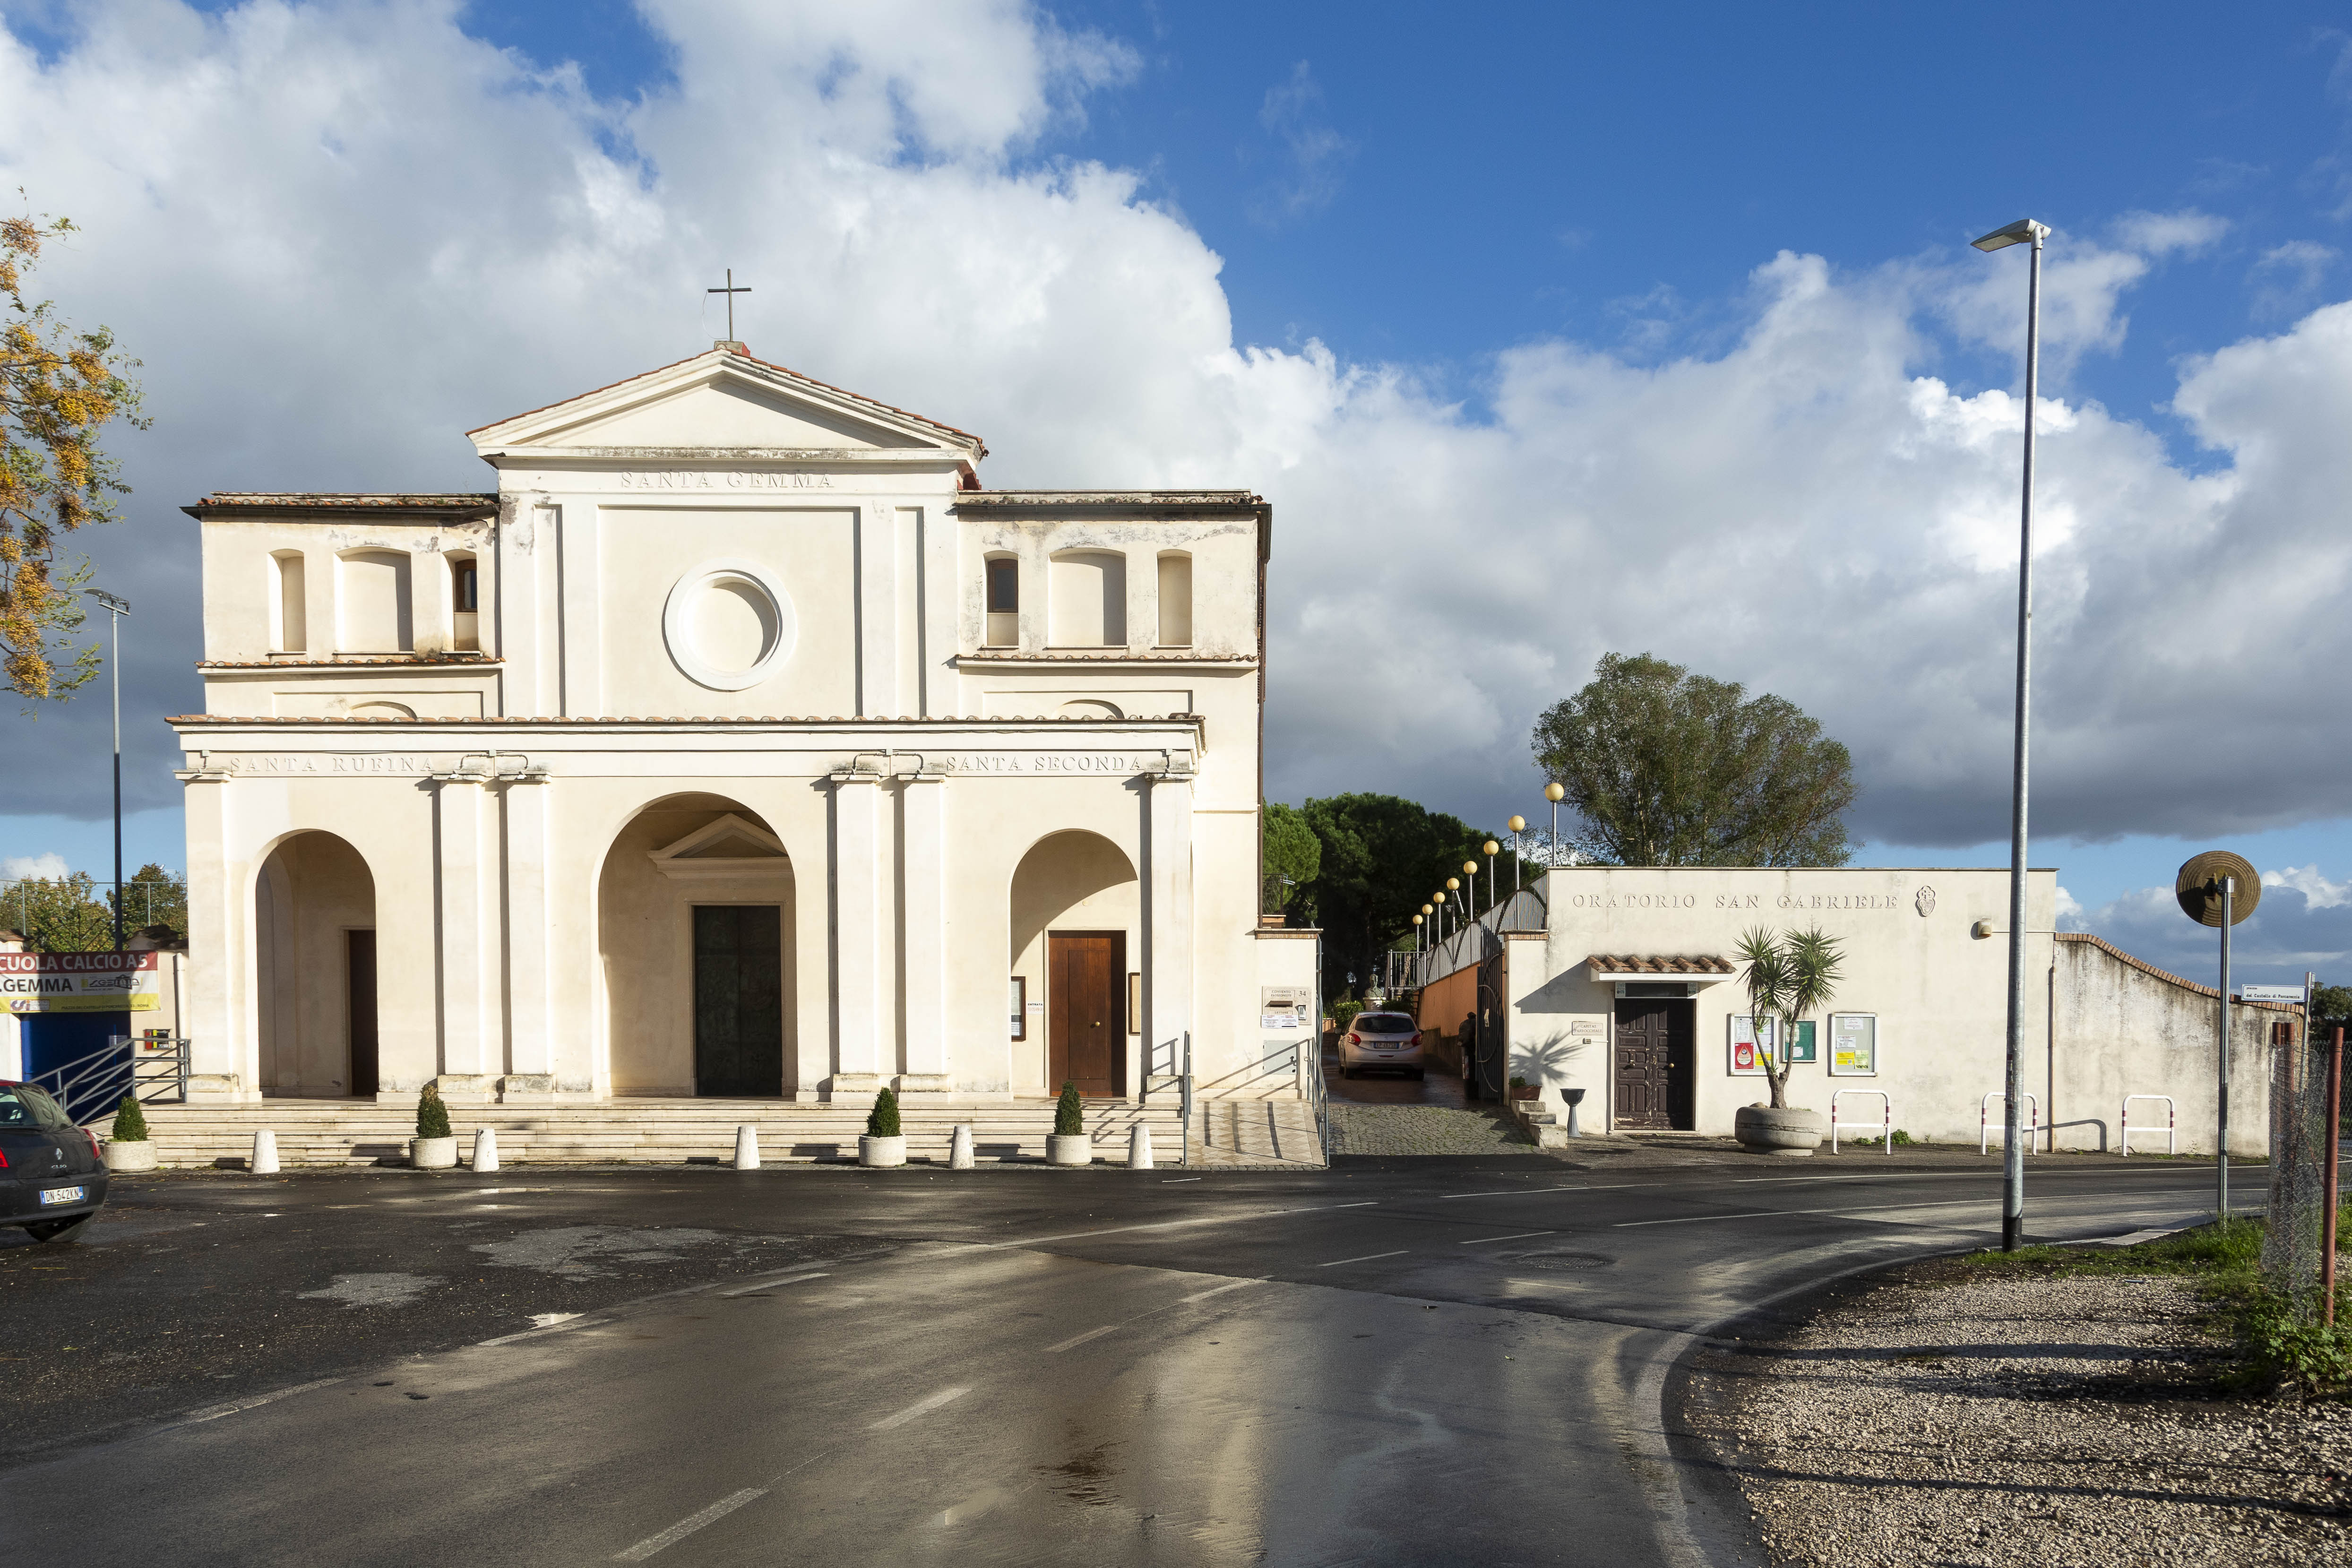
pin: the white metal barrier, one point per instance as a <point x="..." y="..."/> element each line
<point x="1886" y="1103"/>
<point x="2172" y="1123"/>
<point x="1984" y="1120"/>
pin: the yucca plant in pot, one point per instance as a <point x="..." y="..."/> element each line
<point x="435" y="1147"/>
<point x="127" y="1147"/>
<point x="884" y="1143"/>
<point x="1788" y="977"/>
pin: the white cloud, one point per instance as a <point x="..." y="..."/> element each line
<point x="2287" y="278"/>
<point x="2187" y="232"/>
<point x="340" y="235"/>
<point x="1314" y="156"/>
<point x="2318" y="892"/>
<point x="2070" y="911"/>
<point x="38" y="868"/>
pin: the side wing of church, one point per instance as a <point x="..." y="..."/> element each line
<point x="738" y="744"/>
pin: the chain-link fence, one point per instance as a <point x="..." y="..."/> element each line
<point x="75" y="914"/>
<point x="2302" y="1132"/>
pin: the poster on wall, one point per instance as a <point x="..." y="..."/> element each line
<point x="1801" y="1050"/>
<point x="1749" y="1054"/>
<point x="1854" y="1045"/>
<point x="1282" y="1006"/>
<point x="81" y="982"/>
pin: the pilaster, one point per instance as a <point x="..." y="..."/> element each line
<point x="859" y="1022"/>
<point x="923" y="934"/>
<point x="223" y="1027"/>
<point x="464" y="917"/>
<point x="1167" y="915"/>
<point x="530" y="991"/>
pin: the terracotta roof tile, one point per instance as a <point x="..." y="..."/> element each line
<point x="445" y="661"/>
<point x="2145" y="967"/>
<point x="554" y="722"/>
<point x="1656" y="963"/>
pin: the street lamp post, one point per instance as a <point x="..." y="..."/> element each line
<point x="2024" y="231"/>
<point x="1490" y="849"/>
<point x="116" y="609"/>
<point x="1554" y="792"/>
<point x="1519" y="826"/>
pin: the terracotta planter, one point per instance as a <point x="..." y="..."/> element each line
<point x="1525" y="1092"/>
<point x="433" y="1153"/>
<point x="882" y="1152"/>
<point x="1069" y="1149"/>
<point x="1790" y="1133"/>
<point x="136" y="1156"/>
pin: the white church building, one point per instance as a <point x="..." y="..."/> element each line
<point x="740" y="744"/>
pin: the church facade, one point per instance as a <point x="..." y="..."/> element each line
<point x="738" y="744"/>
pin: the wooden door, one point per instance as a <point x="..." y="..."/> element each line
<point x="1085" y="1029"/>
<point x="1642" y="1055"/>
<point x="359" y="992"/>
<point x="738" y="1000"/>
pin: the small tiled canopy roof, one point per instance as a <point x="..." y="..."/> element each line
<point x="1608" y="964"/>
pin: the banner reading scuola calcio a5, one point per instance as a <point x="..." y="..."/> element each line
<point x="80" y="982"/>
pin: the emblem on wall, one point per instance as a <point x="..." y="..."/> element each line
<point x="1926" y="900"/>
<point x="727" y="624"/>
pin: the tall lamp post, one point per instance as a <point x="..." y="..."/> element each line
<point x="1470" y="872"/>
<point x="1490" y="849"/>
<point x="2024" y="231"/>
<point x="1554" y="792"/>
<point x="1518" y="825"/>
<point x="116" y="609"/>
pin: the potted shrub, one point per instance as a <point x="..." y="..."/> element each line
<point x="1788" y="977"/>
<point x="127" y="1147"/>
<point x="435" y="1147"/>
<point x="1069" y="1144"/>
<point x="1522" y="1090"/>
<point x="884" y="1143"/>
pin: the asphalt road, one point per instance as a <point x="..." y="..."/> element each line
<point x="1427" y="1361"/>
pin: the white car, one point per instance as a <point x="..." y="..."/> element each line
<point x="1381" y="1040"/>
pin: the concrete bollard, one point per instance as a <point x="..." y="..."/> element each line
<point x="747" y="1147"/>
<point x="1139" y="1148"/>
<point x="265" y="1152"/>
<point x="486" y="1150"/>
<point x="959" y="1150"/>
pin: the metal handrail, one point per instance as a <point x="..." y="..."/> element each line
<point x="1887" y="1102"/>
<point x="1984" y="1121"/>
<point x="2171" y="1124"/>
<point x="1184" y="1139"/>
<point x="100" y="1078"/>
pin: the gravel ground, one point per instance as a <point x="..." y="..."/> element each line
<point x="2042" y="1420"/>
<point x="1421" y="1129"/>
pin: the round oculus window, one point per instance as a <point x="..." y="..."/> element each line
<point x="727" y="624"/>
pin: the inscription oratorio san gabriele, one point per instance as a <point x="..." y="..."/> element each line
<point x="1736" y="901"/>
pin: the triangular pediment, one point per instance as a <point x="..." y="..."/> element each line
<point x="725" y="401"/>
<point x="729" y="845"/>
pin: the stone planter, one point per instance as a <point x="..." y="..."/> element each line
<point x="1069" y="1149"/>
<point x="1791" y="1133"/>
<point x="138" y="1156"/>
<point x="872" y="1151"/>
<point x="433" y="1153"/>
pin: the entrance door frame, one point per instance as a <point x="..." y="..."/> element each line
<point x="1682" y="1076"/>
<point x="1057" y="1058"/>
<point x="362" y="1016"/>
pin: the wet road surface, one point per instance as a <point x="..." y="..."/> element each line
<point x="1397" y="1361"/>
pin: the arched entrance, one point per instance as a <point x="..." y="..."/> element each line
<point x="315" y="973"/>
<point x="695" y="922"/>
<point x="1076" y="924"/>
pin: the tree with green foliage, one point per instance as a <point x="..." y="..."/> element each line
<point x="58" y="389"/>
<point x="1069" y="1113"/>
<point x="154" y="897"/>
<point x="432" y="1114"/>
<point x="1788" y="977"/>
<point x="130" y="1122"/>
<point x="882" y="1122"/>
<point x="1667" y="768"/>
<point x="2332" y="1001"/>
<point x="59" y="914"/>
<point x="1290" y="856"/>
<point x="1381" y="858"/>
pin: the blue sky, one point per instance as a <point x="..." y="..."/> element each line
<point x="1445" y="267"/>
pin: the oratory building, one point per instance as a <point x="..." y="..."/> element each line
<point x="740" y="744"/>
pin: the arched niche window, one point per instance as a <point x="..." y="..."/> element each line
<point x="1175" y="599"/>
<point x="372" y="601"/>
<point x="1086" y="599"/>
<point x="464" y="601"/>
<point x="289" y="619"/>
<point x="1004" y="591"/>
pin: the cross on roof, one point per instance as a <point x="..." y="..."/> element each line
<point x="731" y="292"/>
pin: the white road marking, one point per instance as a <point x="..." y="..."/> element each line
<point x="215" y="1412"/>
<point x="920" y="1407"/>
<point x="1077" y="1340"/>
<point x="1522" y="1192"/>
<point x="1170" y="1225"/>
<point x="1523" y="1235"/>
<point x="577" y="1322"/>
<point x="1367" y="1257"/>
<point x="1218" y="1290"/>
<point x="771" y="1283"/>
<point x="1174" y="1181"/>
<point x="689" y="1524"/>
<point x="1990" y="1200"/>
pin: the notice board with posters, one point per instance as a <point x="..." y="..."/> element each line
<point x="1802" y="1050"/>
<point x="1750" y="1051"/>
<point x="1854" y="1045"/>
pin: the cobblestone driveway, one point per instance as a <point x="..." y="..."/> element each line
<point x="1421" y="1129"/>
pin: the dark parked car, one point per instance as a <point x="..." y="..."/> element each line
<point x="52" y="1176"/>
